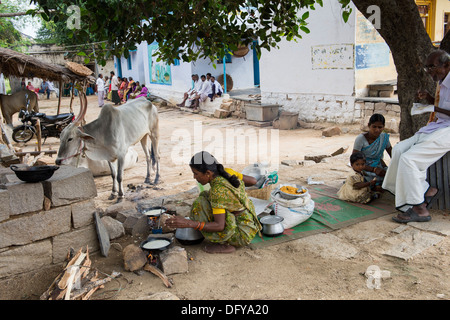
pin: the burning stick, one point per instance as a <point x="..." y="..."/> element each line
<point x="167" y="282"/>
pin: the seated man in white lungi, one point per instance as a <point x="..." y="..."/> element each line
<point x="407" y="172"/>
<point x="203" y="93"/>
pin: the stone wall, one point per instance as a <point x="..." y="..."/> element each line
<point x="316" y="108"/>
<point x="337" y="109"/>
<point x="389" y="108"/>
<point x="40" y="222"/>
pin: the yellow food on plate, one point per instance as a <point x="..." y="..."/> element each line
<point x="292" y="190"/>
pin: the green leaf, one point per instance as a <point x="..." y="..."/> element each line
<point x="346" y="15"/>
<point x="305" y="15"/>
<point x="305" y="29"/>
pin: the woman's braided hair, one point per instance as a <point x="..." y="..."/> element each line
<point x="203" y="161"/>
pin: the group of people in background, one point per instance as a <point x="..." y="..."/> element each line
<point x="118" y="89"/>
<point x="207" y="87"/>
<point x="46" y="87"/>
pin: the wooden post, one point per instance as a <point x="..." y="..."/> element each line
<point x="60" y="95"/>
<point x="71" y="96"/>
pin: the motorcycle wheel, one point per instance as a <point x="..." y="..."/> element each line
<point x="22" y="134"/>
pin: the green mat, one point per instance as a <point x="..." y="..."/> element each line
<point x="330" y="214"/>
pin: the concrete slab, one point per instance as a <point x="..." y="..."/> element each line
<point x="438" y="225"/>
<point x="410" y="243"/>
<point x="328" y="246"/>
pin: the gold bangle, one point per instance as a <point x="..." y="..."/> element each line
<point x="202" y="225"/>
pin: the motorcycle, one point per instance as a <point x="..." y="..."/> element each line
<point x="51" y="126"/>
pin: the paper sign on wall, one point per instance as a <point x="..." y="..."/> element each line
<point x="334" y="56"/>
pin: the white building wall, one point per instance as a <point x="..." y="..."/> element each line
<point x="315" y="76"/>
<point x="240" y="69"/>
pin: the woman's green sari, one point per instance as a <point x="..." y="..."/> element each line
<point x="240" y="229"/>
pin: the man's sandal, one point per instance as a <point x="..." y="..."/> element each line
<point x="412" y="217"/>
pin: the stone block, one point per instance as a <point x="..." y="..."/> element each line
<point x="78" y="238"/>
<point x="25" y="258"/>
<point x="5" y="210"/>
<point x="392" y="126"/>
<point x="305" y="125"/>
<point x="102" y="234"/>
<point x="316" y="157"/>
<point x="83" y="213"/>
<point x="288" y="120"/>
<point x="333" y="131"/>
<point x="123" y="215"/>
<point x="396" y="108"/>
<point x="116" y="208"/>
<point x="34" y="227"/>
<point x="226" y="106"/>
<point x="341" y="150"/>
<point x="373" y="93"/>
<point x="134" y="258"/>
<point x="174" y="260"/>
<point x="136" y="224"/>
<point x="369" y="106"/>
<point x="386" y="93"/>
<point x="25" y="197"/>
<point x="379" y="106"/>
<point x="69" y="185"/>
<point x="220" y="113"/>
<point x="114" y="228"/>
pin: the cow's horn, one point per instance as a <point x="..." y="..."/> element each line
<point x="83" y="108"/>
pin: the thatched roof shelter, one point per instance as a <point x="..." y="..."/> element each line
<point x="13" y="63"/>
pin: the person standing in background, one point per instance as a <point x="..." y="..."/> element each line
<point x="100" y="90"/>
<point x="114" y="89"/>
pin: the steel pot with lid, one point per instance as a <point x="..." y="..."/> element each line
<point x="272" y="226"/>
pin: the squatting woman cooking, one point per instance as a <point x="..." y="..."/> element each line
<point x="225" y="215"/>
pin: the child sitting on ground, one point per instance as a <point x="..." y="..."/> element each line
<point x="355" y="189"/>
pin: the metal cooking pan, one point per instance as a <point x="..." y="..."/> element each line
<point x="33" y="174"/>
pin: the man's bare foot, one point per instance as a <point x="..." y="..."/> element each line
<point x="219" y="248"/>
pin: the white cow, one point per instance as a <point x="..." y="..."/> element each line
<point x="101" y="167"/>
<point x="111" y="134"/>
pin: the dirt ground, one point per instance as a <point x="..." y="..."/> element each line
<point x="302" y="269"/>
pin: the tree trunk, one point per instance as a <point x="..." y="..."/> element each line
<point x="404" y="33"/>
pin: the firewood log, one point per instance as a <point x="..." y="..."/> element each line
<point x="167" y="282"/>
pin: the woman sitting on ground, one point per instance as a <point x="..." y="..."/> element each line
<point x="225" y="215"/>
<point x="373" y="144"/>
<point x="143" y="92"/>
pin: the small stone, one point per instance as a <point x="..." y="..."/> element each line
<point x="333" y="131"/>
<point x="316" y="157"/>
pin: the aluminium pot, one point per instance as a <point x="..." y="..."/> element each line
<point x="188" y="236"/>
<point x="272" y="225"/>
